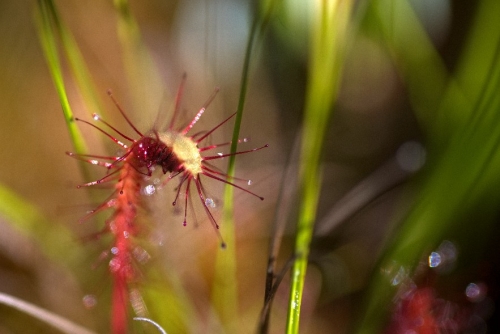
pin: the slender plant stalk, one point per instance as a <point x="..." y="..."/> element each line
<point x="49" y="318"/>
<point x="44" y="20"/>
<point x="143" y="76"/>
<point x="328" y="29"/>
<point x="225" y="295"/>
<point x="225" y="290"/>
<point x="76" y="62"/>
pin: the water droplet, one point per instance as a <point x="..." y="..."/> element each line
<point x="210" y="202"/>
<point x="220" y="154"/>
<point x="126" y="234"/>
<point x="475" y="292"/>
<point x="95" y="117"/>
<point x="137" y="302"/>
<point x="399" y="277"/>
<point x="411" y="156"/>
<point x="89" y="301"/>
<point x="94" y="162"/>
<point x="141" y="255"/>
<point x="114" y="265"/>
<point x="249" y="182"/>
<point x="434" y="259"/>
<point x="149" y="190"/>
<point x="114" y="250"/>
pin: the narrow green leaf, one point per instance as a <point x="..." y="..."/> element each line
<point x="459" y="194"/>
<point x="27" y="219"/>
<point x="143" y="75"/>
<point x="328" y="29"/>
<point x="47" y="37"/>
<point x="76" y="61"/>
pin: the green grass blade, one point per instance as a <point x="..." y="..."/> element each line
<point x="76" y="62"/>
<point x="27" y="219"/>
<point x="143" y="75"/>
<point x="328" y="26"/>
<point x="459" y="194"/>
<point x="167" y="302"/>
<point x="47" y="37"/>
<point x="422" y="67"/>
<point x="225" y="289"/>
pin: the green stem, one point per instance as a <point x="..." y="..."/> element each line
<point x="328" y="29"/>
<point x="48" y="42"/>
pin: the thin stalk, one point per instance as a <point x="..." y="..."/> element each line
<point x="142" y="75"/>
<point x="225" y="295"/>
<point x="47" y="317"/>
<point x="328" y="27"/>
<point x="44" y="21"/>
<point x="225" y="290"/>
<point x="76" y="62"/>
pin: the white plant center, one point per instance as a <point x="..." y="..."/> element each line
<point x="185" y="149"/>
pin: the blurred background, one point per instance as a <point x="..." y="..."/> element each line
<point x="407" y="210"/>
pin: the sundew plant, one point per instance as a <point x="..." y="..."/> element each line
<point x="368" y="128"/>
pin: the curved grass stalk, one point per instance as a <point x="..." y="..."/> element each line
<point x="54" y="320"/>
<point x="328" y="29"/>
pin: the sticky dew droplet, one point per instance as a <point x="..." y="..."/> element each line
<point x="210" y="203"/>
<point x="434" y="259"/>
<point x="141" y="255"/>
<point x="89" y="301"/>
<point x="475" y="292"/>
<point x="399" y="277"/>
<point x="114" y="265"/>
<point x="149" y="190"/>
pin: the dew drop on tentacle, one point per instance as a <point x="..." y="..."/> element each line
<point x="89" y="301"/>
<point x="210" y="202"/>
<point x="114" y="265"/>
<point x="149" y="190"/>
<point x="141" y="255"/>
<point x="434" y="259"/>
